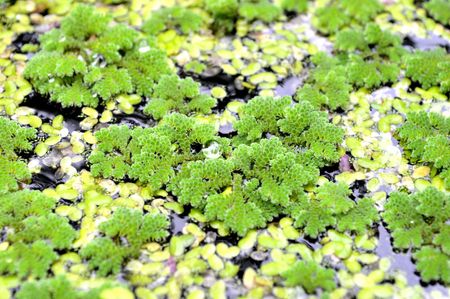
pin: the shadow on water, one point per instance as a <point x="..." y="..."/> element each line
<point x="402" y="261"/>
<point x="47" y="111"/>
<point x="135" y="119"/>
<point x="23" y="39"/>
<point x="44" y="179"/>
<point x="418" y="43"/>
<point x="288" y="87"/>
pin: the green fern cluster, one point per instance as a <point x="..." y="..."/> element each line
<point x="420" y="221"/>
<point x="88" y="60"/>
<point x="149" y="155"/>
<point x="332" y="207"/>
<point x="310" y="276"/>
<point x="338" y="14"/>
<point x="261" y="178"/>
<point x="278" y="150"/>
<point x="425" y="137"/>
<point x="327" y="85"/>
<point x="173" y="94"/>
<point x="429" y="68"/>
<point x="13" y="140"/>
<point x="58" y="287"/>
<point x="298" y="126"/>
<point x="368" y="57"/>
<point x="372" y="55"/>
<point x="124" y="234"/>
<point x="226" y="12"/>
<point x="439" y="10"/>
<point x="263" y="10"/>
<point x="264" y="177"/>
<point x="176" y="17"/>
<point x="29" y="218"/>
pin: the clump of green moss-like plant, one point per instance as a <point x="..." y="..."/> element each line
<point x="88" y="61"/>
<point x="420" y="221"/>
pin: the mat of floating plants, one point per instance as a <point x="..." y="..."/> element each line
<point x="224" y="149"/>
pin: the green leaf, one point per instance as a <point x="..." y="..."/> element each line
<point x="439" y="10"/>
<point x="330" y="19"/>
<point x="359" y="218"/>
<point x="362" y="10"/>
<point x="135" y="227"/>
<point x="262" y="10"/>
<point x="275" y="167"/>
<point x="43" y="228"/>
<point x="58" y="288"/>
<point x="335" y="197"/>
<point x="176" y="17"/>
<point x="434" y="204"/>
<point x="11" y="173"/>
<point x="111" y="82"/>
<point x="416" y="219"/>
<point x="199" y="179"/>
<point x="112" y="157"/>
<point x="433" y="265"/>
<point x="242" y="209"/>
<point x="425" y="137"/>
<point x="310" y="276"/>
<point x="84" y="21"/>
<point x="402" y="218"/>
<point x="425" y="67"/>
<point x="114" y="41"/>
<point x="153" y="163"/>
<point x="104" y="256"/>
<point x="17" y="206"/>
<point x="126" y="231"/>
<point x="180" y="95"/>
<point x="14" y="138"/>
<point x="76" y="94"/>
<point x="46" y="65"/>
<point x="23" y="260"/>
<point x="309" y="215"/>
<point x="146" y="65"/>
<point x="260" y="116"/>
<point x="442" y="239"/>
<point x="298" y="6"/>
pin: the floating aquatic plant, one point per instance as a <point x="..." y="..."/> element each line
<point x="125" y="233"/>
<point x="331" y="18"/>
<point x="429" y="68"/>
<point x="425" y="136"/>
<point x="439" y="10"/>
<point x="89" y="61"/>
<point x="176" y="17"/>
<point x="310" y="276"/>
<point x="419" y="221"/>
<point x="214" y="186"/>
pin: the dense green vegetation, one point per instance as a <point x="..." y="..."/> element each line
<point x="171" y="163"/>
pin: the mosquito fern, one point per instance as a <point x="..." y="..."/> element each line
<point x="429" y="68"/>
<point x="125" y="233"/>
<point x="173" y="94"/>
<point x="330" y="19"/>
<point x="298" y="125"/>
<point x="88" y="61"/>
<point x="176" y="17"/>
<point x="425" y="137"/>
<point x="333" y="206"/>
<point x="310" y="276"/>
<point x="439" y="10"/>
<point x="419" y="221"/>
